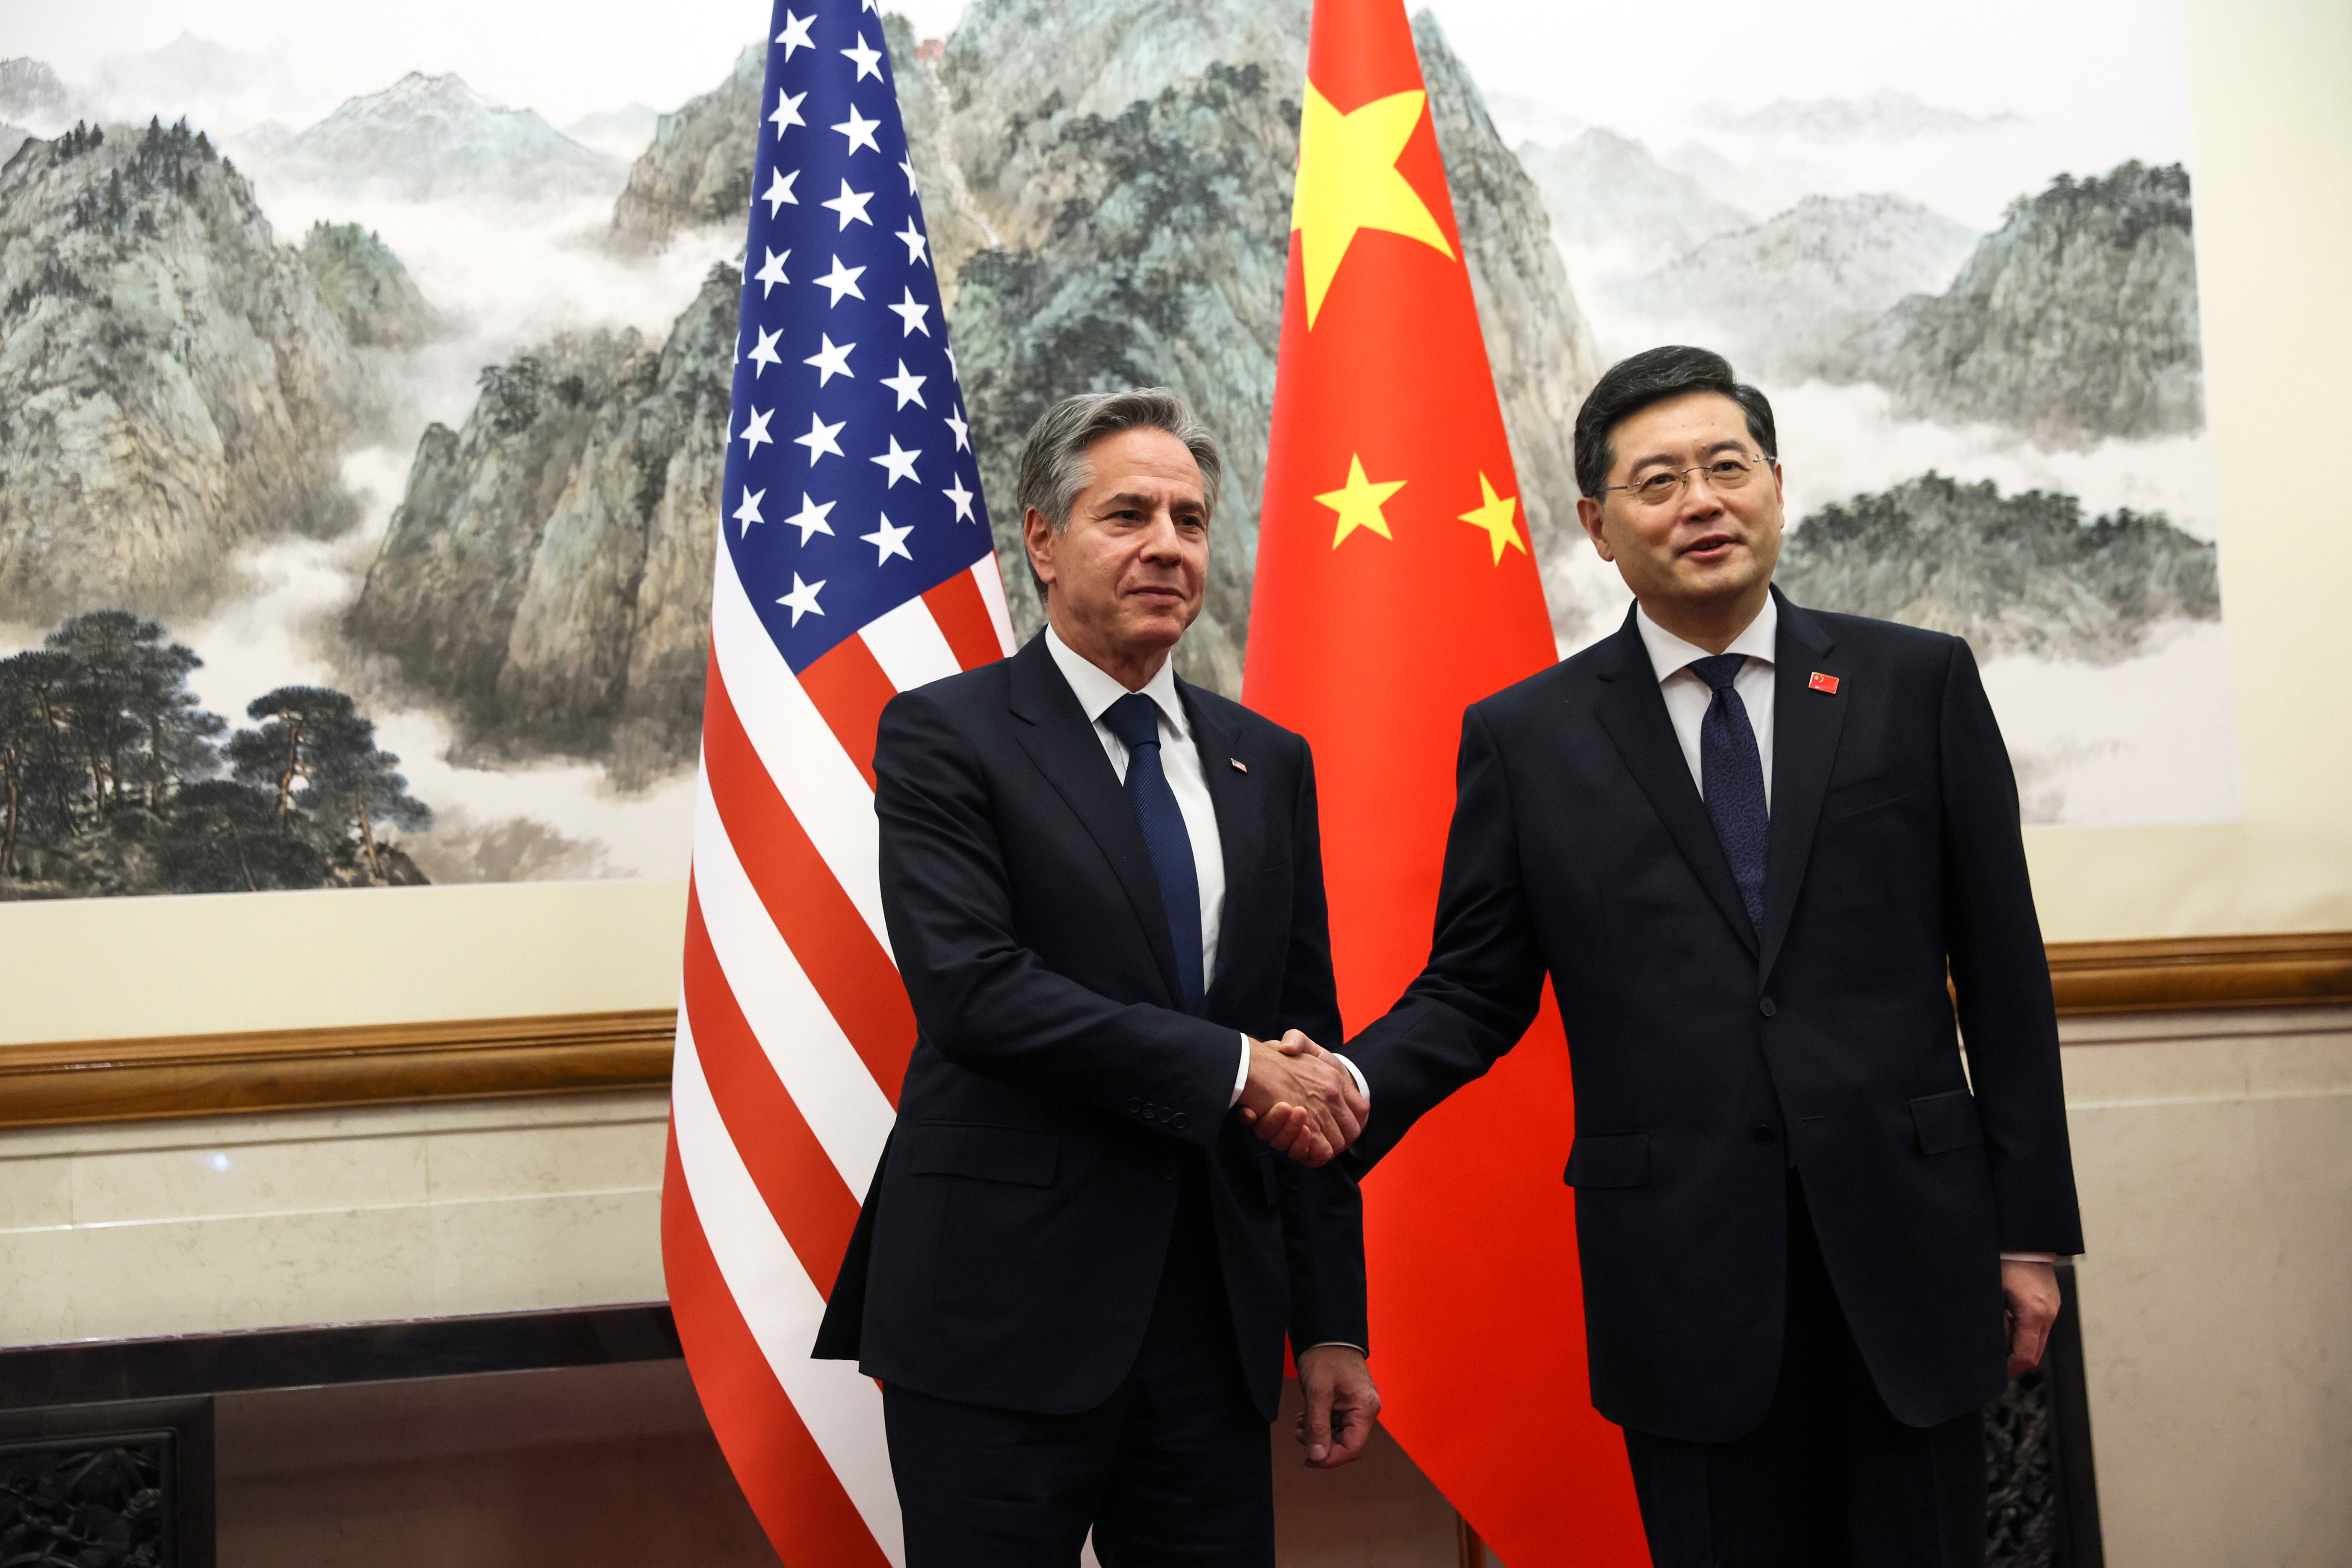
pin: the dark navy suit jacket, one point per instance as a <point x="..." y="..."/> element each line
<point x="1010" y="1249"/>
<point x="1709" y="1058"/>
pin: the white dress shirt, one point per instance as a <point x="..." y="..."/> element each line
<point x="1687" y="696"/>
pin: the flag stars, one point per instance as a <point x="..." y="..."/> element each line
<point x="851" y="206"/>
<point x="772" y="271"/>
<point x="795" y="36"/>
<point x="756" y="432"/>
<point x="748" y="512"/>
<point x="918" y="245"/>
<point x="763" y="352"/>
<point x="820" y="441"/>
<point x="907" y="166"/>
<point x="831" y="360"/>
<point x="780" y="190"/>
<point x="841" y="280"/>
<point x="956" y="423"/>
<point x="811" y="518"/>
<point x="911" y="314"/>
<point x="787" y="112"/>
<point x="859" y="131"/>
<point x="961" y="497"/>
<point x="900" y="462"/>
<point x="889" y="540"/>
<point x="801" y="600"/>
<point x="1495" y="514"/>
<point x="1358" y="502"/>
<point x="909" y="388"/>
<point x="868" y="58"/>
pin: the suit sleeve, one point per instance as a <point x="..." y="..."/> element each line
<point x="2000" y="975"/>
<point x="1485" y="971"/>
<point x="984" y="1000"/>
<point x="1322" y="1211"/>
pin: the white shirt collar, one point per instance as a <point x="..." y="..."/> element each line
<point x="1097" y="690"/>
<point x="1668" y="653"/>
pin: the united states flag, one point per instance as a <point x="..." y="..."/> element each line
<point x="856" y="564"/>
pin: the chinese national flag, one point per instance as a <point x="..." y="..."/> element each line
<point x="1395" y="586"/>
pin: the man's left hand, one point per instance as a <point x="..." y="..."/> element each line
<point x="2028" y="1294"/>
<point x="1340" y="1404"/>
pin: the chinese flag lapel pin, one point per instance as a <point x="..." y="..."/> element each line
<point x="1820" y="682"/>
<point x="1239" y="766"/>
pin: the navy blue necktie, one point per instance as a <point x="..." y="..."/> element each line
<point x="1135" y="720"/>
<point x="1731" y="777"/>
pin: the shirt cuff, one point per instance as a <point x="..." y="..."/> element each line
<point x="1343" y="1344"/>
<point x="2029" y="1258"/>
<point x="1240" y="1075"/>
<point x="1362" y="1087"/>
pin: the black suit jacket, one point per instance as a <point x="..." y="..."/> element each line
<point x="1709" y="1058"/>
<point x="1010" y="1250"/>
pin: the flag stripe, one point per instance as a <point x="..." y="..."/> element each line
<point x="784" y="1475"/>
<point x="855" y="977"/>
<point x="984" y="572"/>
<point x="827" y="793"/>
<point x="813" y="1059"/>
<point x="849" y="687"/>
<point x="804" y="1192"/>
<point x="963" y="619"/>
<point x="841" y="1407"/>
<point x="909" y="646"/>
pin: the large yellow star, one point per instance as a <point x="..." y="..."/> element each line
<point x="1347" y="181"/>
<point x="1494" y="515"/>
<point x="1358" y="504"/>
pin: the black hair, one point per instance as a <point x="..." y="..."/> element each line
<point x="1653" y="376"/>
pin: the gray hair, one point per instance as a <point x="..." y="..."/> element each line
<point x="1053" y="466"/>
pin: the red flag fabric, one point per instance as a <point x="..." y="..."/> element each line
<point x="1395" y="586"/>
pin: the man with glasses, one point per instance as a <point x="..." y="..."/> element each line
<point x="1751" y="846"/>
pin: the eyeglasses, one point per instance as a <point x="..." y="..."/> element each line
<point x="1726" y="472"/>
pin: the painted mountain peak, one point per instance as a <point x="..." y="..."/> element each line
<point x="429" y="137"/>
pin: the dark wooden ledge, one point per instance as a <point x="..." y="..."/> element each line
<point x="304" y="1070"/>
<point x="2178" y="974"/>
<point x="299" y="1070"/>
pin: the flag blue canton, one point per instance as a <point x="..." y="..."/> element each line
<point x="851" y="482"/>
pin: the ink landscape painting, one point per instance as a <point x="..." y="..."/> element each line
<point x="363" y="398"/>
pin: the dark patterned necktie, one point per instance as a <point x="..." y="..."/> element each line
<point x="1135" y="720"/>
<point x="1731" y="777"/>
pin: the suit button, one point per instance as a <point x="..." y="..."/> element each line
<point x="1764" y="1134"/>
<point x="1135" y="1105"/>
<point x="1179" y="1122"/>
<point x="1167" y="1170"/>
<point x="1767" y="1006"/>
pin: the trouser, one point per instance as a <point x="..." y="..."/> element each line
<point x="1831" y="1479"/>
<point x="1172" y="1469"/>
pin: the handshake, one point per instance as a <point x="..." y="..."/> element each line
<point x="1302" y="1100"/>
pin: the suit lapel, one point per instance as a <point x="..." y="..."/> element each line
<point x="1634" y="713"/>
<point x="1060" y="740"/>
<point x="1241" y="833"/>
<point x="1806" y="724"/>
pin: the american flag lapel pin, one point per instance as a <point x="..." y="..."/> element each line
<point x="1820" y="682"/>
<point x="1239" y="766"/>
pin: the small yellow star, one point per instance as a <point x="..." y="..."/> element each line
<point x="1358" y="504"/>
<point x="1347" y="181"/>
<point x="1495" y="516"/>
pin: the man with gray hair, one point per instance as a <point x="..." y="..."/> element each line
<point x="1108" y="1196"/>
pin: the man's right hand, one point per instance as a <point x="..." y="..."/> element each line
<point x="1300" y="1101"/>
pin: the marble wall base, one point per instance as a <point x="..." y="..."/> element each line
<point x="2214" y="1154"/>
<point x="176" y="1228"/>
